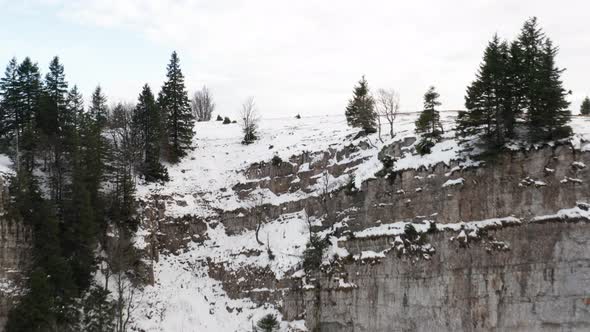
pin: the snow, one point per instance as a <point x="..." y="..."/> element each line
<point x="5" y="164"/>
<point x="185" y="298"/>
<point x="455" y="182"/>
<point x="579" y="212"/>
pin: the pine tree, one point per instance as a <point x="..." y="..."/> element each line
<point x="585" y="107"/>
<point x="98" y="107"/>
<point x="268" y="323"/>
<point x="488" y="100"/>
<point x="147" y="123"/>
<point x="179" y="119"/>
<point x="30" y="90"/>
<point x="360" y="111"/>
<point x="551" y="118"/>
<point x="10" y="113"/>
<point x="428" y="123"/>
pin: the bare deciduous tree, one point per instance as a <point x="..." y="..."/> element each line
<point x="256" y="207"/>
<point x="388" y="107"/>
<point x="121" y="255"/>
<point x="249" y="119"/>
<point x="325" y="195"/>
<point x="202" y="104"/>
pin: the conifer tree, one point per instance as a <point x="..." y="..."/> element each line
<point x="268" y="323"/>
<point x="360" y="111"/>
<point x="51" y="113"/>
<point x="179" y="119"/>
<point x="543" y="94"/>
<point x="10" y="112"/>
<point x="585" y="107"/>
<point x="30" y="90"/>
<point x="488" y="99"/>
<point x="147" y="123"/>
<point x="428" y="123"/>
<point x="98" y="107"/>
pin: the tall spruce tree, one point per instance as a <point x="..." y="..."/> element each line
<point x="488" y="100"/>
<point x="10" y="113"/>
<point x="147" y="123"/>
<point x="428" y="123"/>
<point x="585" y="107"/>
<point x="51" y="113"/>
<point x="179" y="120"/>
<point x="543" y="94"/>
<point x="360" y="111"/>
<point x="98" y="107"/>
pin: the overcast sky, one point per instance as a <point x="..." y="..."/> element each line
<point x="292" y="56"/>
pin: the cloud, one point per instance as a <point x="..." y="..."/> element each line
<point x="305" y="56"/>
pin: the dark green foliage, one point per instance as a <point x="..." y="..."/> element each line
<point x="98" y="311"/>
<point x="428" y="123"/>
<point x="178" y="117"/>
<point x="98" y="110"/>
<point x="489" y="97"/>
<point x="226" y="120"/>
<point x="268" y="323"/>
<point x="585" y="107"/>
<point x="517" y="83"/>
<point x="147" y="125"/>
<point x="298" y="116"/>
<point x="55" y="143"/>
<point x="410" y="232"/>
<point x="314" y="250"/>
<point x="360" y="111"/>
<point x="276" y="161"/>
<point x="219" y="118"/>
<point x="350" y="187"/>
<point x="424" y="146"/>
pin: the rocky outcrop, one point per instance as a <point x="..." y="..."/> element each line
<point x="15" y="255"/>
<point x="541" y="283"/>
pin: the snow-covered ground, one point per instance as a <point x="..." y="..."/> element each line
<point x="184" y="298"/>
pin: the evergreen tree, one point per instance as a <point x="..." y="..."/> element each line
<point x="268" y="323"/>
<point x="488" y="100"/>
<point x="179" y="120"/>
<point x="585" y="107"/>
<point x="51" y="113"/>
<point x="147" y="123"/>
<point x="360" y="111"/>
<point x="98" y="107"/>
<point x="428" y="123"/>
<point x="551" y="118"/>
<point x="543" y="94"/>
<point x="10" y="113"/>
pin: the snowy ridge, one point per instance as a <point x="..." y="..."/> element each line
<point x="185" y="298"/>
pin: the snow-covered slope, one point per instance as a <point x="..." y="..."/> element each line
<point x="184" y="297"/>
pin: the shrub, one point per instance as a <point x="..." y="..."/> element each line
<point x="350" y="188"/>
<point x="424" y="146"/>
<point x="297" y="116"/>
<point x="226" y="120"/>
<point x="219" y="118"/>
<point x="314" y="250"/>
<point x="268" y="323"/>
<point x="276" y="161"/>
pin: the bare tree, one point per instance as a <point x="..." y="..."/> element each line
<point x="256" y="207"/>
<point x="325" y="195"/>
<point x="387" y="107"/>
<point x="202" y="104"/>
<point x="121" y="255"/>
<point x="249" y="118"/>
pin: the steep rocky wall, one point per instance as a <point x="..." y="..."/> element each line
<point x="541" y="283"/>
<point x="15" y="251"/>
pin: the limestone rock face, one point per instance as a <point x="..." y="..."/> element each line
<point x="15" y="256"/>
<point x="540" y="284"/>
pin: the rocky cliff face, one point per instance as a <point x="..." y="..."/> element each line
<point x="527" y="276"/>
<point x="541" y="283"/>
<point x="15" y="251"/>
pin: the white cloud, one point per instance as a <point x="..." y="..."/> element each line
<point x="305" y="56"/>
